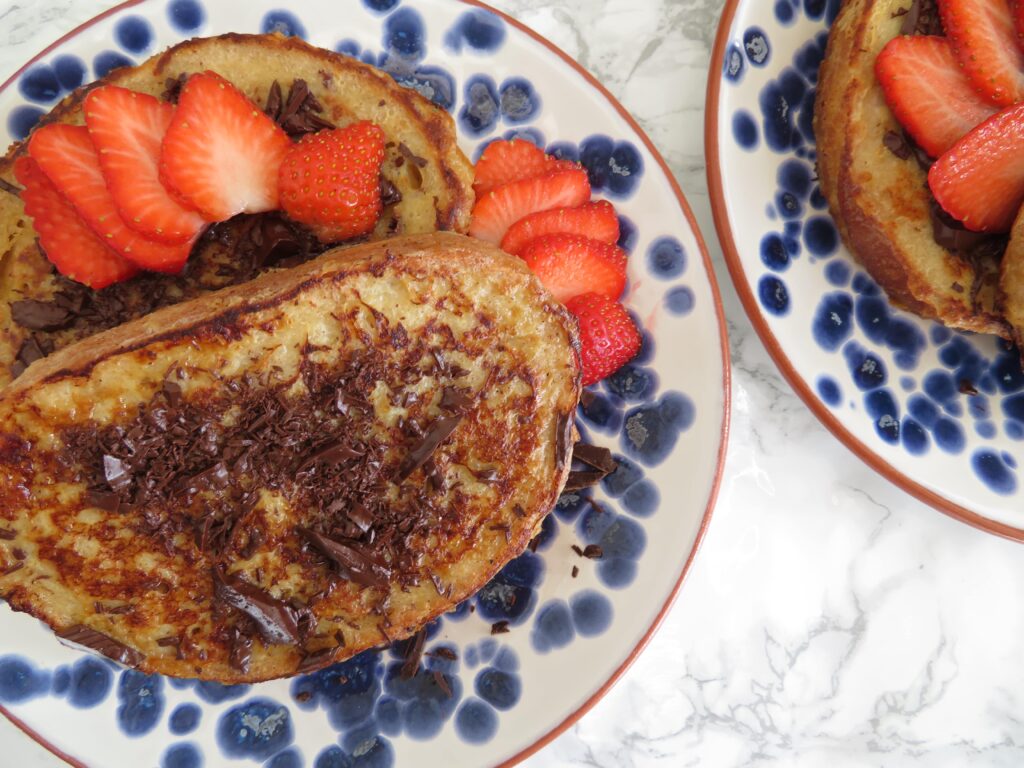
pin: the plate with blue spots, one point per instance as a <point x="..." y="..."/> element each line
<point x="938" y="412"/>
<point x="539" y="644"/>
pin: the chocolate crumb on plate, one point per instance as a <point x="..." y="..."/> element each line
<point x="499" y="627"/>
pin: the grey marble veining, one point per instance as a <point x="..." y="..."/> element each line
<point x="830" y="619"/>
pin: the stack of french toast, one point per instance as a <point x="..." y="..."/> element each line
<point x="264" y="405"/>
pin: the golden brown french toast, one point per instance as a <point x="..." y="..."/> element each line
<point x="877" y="189"/>
<point x="279" y="475"/>
<point x="429" y="183"/>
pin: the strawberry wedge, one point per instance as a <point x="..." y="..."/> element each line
<point x="499" y="209"/>
<point x="928" y="93"/>
<point x="505" y="161"/>
<point x="67" y="156"/>
<point x="596" y="220"/>
<point x="221" y="153"/>
<point x="980" y="181"/>
<point x="984" y="41"/>
<point x="71" y="246"/>
<point x="127" y="128"/>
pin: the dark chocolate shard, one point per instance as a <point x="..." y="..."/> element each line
<point x="354" y="564"/>
<point x="276" y="619"/>
<point x="951" y="234"/>
<point x="40" y="315"/>
<point x="102" y="644"/>
<point x="499" y="627"/>
<point x="897" y="144"/>
<point x="314" y="661"/>
<point x="117" y="473"/>
<point x="578" y="480"/>
<point x="437" y="433"/>
<point x="6" y="186"/>
<point x="413" y="653"/>
<point x="563" y="439"/>
<point x="593" y="551"/>
<point x="108" y="501"/>
<point x="389" y="193"/>
<point x="454" y="400"/>
<point x="595" y="456"/>
<point x="241" y="650"/>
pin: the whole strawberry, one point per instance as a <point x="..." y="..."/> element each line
<point x="608" y="336"/>
<point x="330" y="180"/>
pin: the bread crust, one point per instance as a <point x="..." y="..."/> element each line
<point x="881" y="202"/>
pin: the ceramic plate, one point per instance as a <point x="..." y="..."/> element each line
<point x="665" y="416"/>
<point x="940" y="413"/>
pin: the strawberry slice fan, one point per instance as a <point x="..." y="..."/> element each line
<point x="959" y="98"/>
<point x="538" y="207"/>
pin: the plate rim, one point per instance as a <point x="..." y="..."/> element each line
<point x="752" y="308"/>
<point x="723" y="338"/>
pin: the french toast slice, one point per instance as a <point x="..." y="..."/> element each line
<point x="880" y="200"/>
<point x="277" y="476"/>
<point x="1011" y="282"/>
<point x="423" y="163"/>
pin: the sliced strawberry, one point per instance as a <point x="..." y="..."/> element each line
<point x="1017" y="11"/>
<point x="503" y="162"/>
<point x="570" y="265"/>
<point x="983" y="39"/>
<point x="595" y="220"/>
<point x="221" y="153"/>
<point x="980" y="181"/>
<point x="70" y="245"/>
<point x="127" y="128"/>
<point x="66" y="155"/>
<point x="608" y="337"/>
<point x="499" y="209"/>
<point x="330" y="180"/>
<point x="928" y="92"/>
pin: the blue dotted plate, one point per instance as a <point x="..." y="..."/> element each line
<point x="485" y="699"/>
<point x="940" y="413"/>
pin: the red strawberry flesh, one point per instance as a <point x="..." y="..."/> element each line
<point x="499" y="209"/>
<point x="127" y="129"/>
<point x="505" y="161"/>
<point x="596" y="220"/>
<point x="569" y="265"/>
<point x="608" y="337"/>
<point x="67" y="241"/>
<point x="221" y="153"/>
<point x="928" y="92"/>
<point x="980" y="181"/>
<point x="67" y="156"/>
<point x="330" y="180"/>
<point x="983" y="39"/>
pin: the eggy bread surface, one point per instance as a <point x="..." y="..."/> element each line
<point x="278" y="476"/>
<point x="880" y="200"/>
<point x="423" y="164"/>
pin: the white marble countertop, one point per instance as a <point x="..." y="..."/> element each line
<point x="830" y="618"/>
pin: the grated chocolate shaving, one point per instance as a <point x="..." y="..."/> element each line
<point x="593" y="551"/>
<point x="299" y="113"/>
<point x="7" y="535"/>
